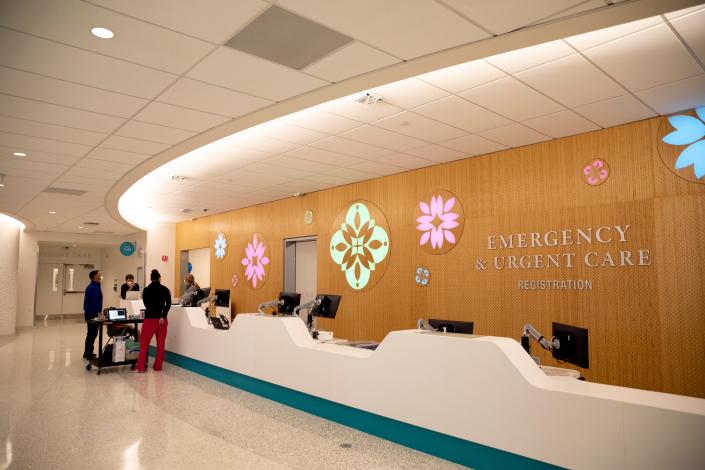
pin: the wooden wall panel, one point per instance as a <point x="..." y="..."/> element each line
<point x="646" y="323"/>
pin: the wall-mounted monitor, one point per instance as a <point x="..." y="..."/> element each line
<point x="291" y="300"/>
<point x="222" y="298"/>
<point x="328" y="306"/>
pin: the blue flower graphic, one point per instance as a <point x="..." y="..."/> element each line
<point x="689" y="130"/>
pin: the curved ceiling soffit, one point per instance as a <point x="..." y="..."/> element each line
<point x="27" y="224"/>
<point x="538" y="34"/>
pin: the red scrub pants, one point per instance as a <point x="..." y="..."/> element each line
<point x="150" y="327"/>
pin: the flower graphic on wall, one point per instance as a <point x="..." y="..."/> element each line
<point x="220" y="245"/>
<point x="359" y="246"/>
<point x="689" y="130"/>
<point x="596" y="172"/>
<point x="255" y="261"/>
<point x="440" y="221"/>
<point x="235" y="280"/>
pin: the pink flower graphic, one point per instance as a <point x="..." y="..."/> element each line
<point x="437" y="231"/>
<point x="596" y="173"/>
<point x="255" y="260"/>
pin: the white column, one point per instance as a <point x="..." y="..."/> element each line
<point x="161" y="241"/>
<point x="9" y="252"/>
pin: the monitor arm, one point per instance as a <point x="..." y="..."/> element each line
<point x="309" y="318"/>
<point x="271" y="303"/>
<point x="530" y="332"/>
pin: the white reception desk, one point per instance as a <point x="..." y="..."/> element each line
<point x="460" y="390"/>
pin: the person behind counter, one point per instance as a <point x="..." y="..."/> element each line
<point x="129" y="285"/>
<point x="157" y="301"/>
<point x="92" y="307"/>
<point x="191" y="291"/>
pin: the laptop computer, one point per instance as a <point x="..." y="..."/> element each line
<point x="117" y="314"/>
<point x="132" y="295"/>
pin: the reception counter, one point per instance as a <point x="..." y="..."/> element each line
<point x="476" y="400"/>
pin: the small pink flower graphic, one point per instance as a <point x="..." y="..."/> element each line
<point x="596" y="173"/>
<point x="235" y="280"/>
<point x="437" y="222"/>
<point x="255" y="261"/>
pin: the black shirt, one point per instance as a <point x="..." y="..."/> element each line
<point x="157" y="300"/>
<point x="125" y="288"/>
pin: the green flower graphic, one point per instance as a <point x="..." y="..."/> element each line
<point x="359" y="246"/>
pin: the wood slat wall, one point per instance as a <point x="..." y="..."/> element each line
<point x="646" y="323"/>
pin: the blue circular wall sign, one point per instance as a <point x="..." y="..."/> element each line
<point x="127" y="248"/>
<point x="189" y="267"/>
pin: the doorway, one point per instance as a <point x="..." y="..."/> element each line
<point x="60" y="289"/>
<point x="300" y="266"/>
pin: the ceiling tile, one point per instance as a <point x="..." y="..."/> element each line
<point x="522" y="59"/>
<point x="463" y="76"/>
<point x="28" y="144"/>
<point x="288" y="161"/>
<point x="350" y="108"/>
<point x="40" y="156"/>
<point x="602" y="36"/>
<point x="351" y="147"/>
<point x="378" y="168"/>
<point x="280" y="130"/>
<point x="437" y="153"/>
<point x="36" y="55"/>
<point x="561" y="124"/>
<point x="585" y="6"/>
<point x="572" y="81"/>
<point x="104" y="165"/>
<point x="51" y="90"/>
<point x="49" y="131"/>
<point x="646" y="59"/>
<point x="417" y="126"/>
<point x="153" y="132"/>
<point x="93" y="173"/>
<point x="471" y="145"/>
<point x="133" y="145"/>
<point x="677" y="14"/>
<point x="214" y="20"/>
<point x="81" y="183"/>
<point x="406" y="161"/>
<point x="511" y="98"/>
<point x="59" y="115"/>
<point x="401" y="28"/>
<point x="461" y="113"/>
<point x="508" y="15"/>
<point x="677" y="96"/>
<point x="351" y="175"/>
<point x="616" y="111"/>
<point x="321" y="121"/>
<point x="211" y="98"/>
<point x="349" y="61"/>
<point x="249" y="74"/>
<point x="317" y="155"/>
<point x="691" y="27"/>
<point x="31" y="165"/>
<point x="247" y="139"/>
<point x="409" y="93"/>
<point x="267" y="169"/>
<point x="179" y="117"/>
<point x="70" y="22"/>
<point x="113" y="155"/>
<point x="514" y="135"/>
<point x="383" y="138"/>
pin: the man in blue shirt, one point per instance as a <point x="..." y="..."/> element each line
<point x="92" y="307"/>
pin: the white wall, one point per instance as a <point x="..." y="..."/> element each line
<point x="9" y="247"/>
<point x="29" y="256"/>
<point x="161" y="241"/>
<point x="200" y="260"/>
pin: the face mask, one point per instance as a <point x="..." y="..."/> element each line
<point x="101" y="278"/>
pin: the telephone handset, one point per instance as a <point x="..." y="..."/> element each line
<point x="224" y="319"/>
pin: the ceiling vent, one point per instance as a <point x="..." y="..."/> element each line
<point x="91" y="224"/>
<point x="287" y="39"/>
<point x="369" y="99"/>
<point x="105" y="232"/>
<point x="68" y="192"/>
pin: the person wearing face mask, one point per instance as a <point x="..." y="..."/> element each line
<point x="191" y="290"/>
<point x="92" y="306"/>
<point x="129" y="285"/>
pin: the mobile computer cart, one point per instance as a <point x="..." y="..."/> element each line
<point x="102" y="360"/>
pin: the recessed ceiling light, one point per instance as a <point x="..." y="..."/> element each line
<point x="103" y="33"/>
<point x="185" y="210"/>
<point x="20" y="154"/>
<point x="52" y="212"/>
<point x="80" y="226"/>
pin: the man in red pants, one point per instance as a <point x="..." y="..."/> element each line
<point x="157" y="301"/>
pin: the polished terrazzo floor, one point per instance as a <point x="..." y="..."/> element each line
<point x="54" y="414"/>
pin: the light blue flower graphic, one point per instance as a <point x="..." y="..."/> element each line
<point x="220" y="245"/>
<point x="689" y="130"/>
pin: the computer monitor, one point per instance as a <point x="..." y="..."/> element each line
<point x="201" y="294"/>
<point x="452" y="326"/>
<point x="222" y="298"/>
<point x="328" y="306"/>
<point x="291" y="300"/>
<point x="116" y="314"/>
<point x="573" y="345"/>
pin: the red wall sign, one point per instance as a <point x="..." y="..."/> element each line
<point x="165" y="258"/>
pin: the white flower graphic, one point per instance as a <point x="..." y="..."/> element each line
<point x="220" y="246"/>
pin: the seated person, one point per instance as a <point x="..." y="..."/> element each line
<point x="129" y="285"/>
<point x="190" y="292"/>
